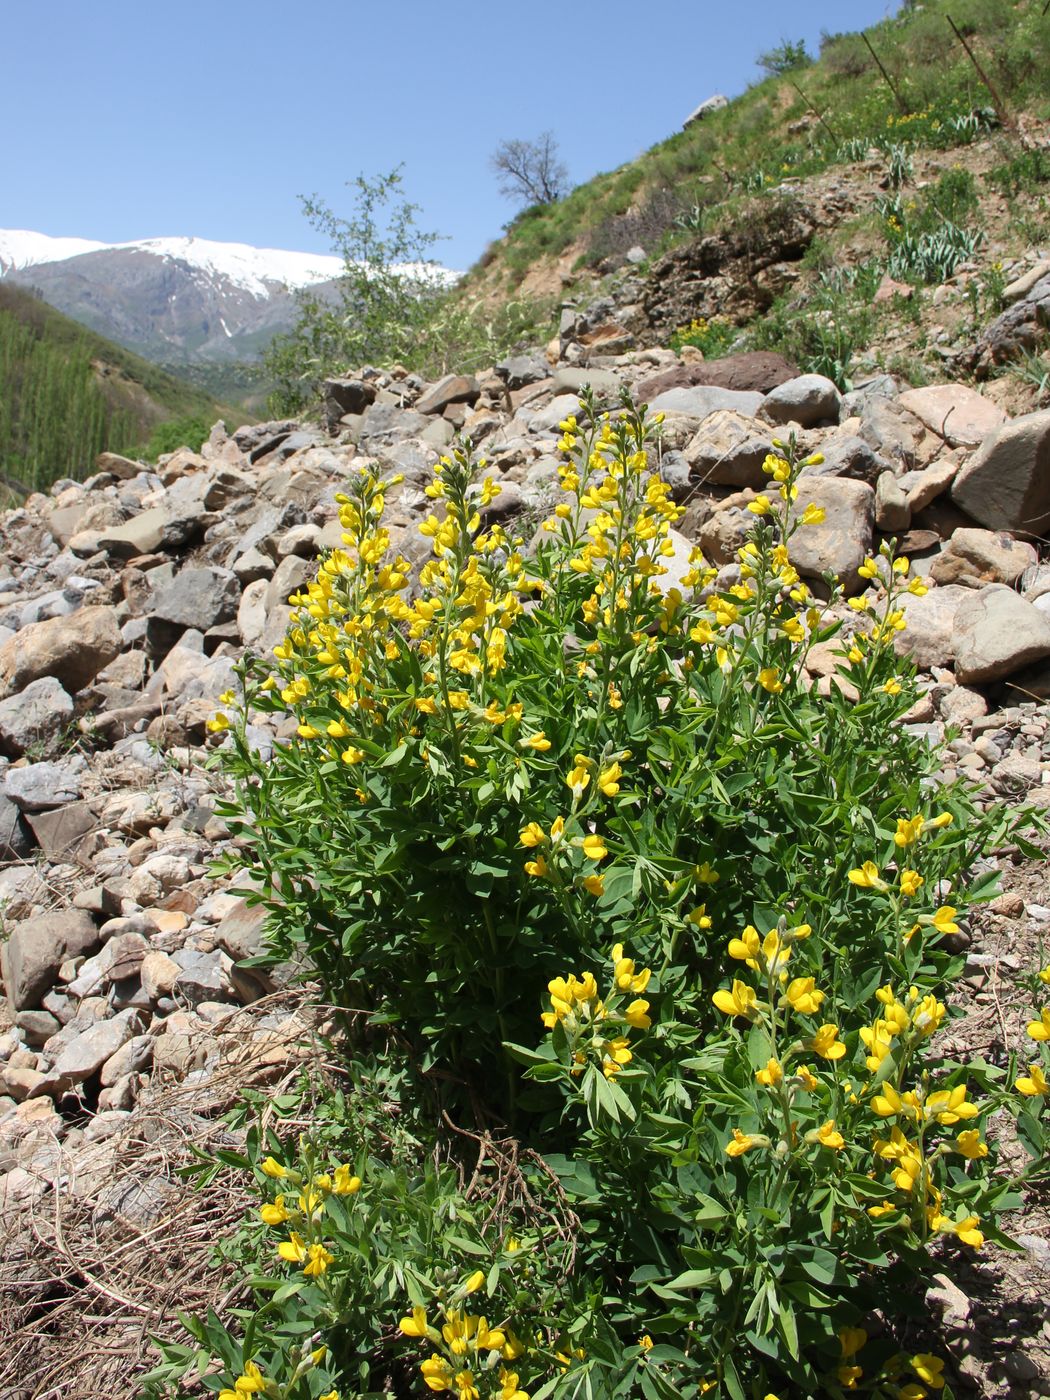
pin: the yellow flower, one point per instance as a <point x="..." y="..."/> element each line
<point x="909" y="829"/>
<point x="827" y="1136"/>
<point x="1034" y="1083"/>
<point x="227" y="697"/>
<point x="475" y="1282"/>
<point x="533" y="835"/>
<point x="910" y="882"/>
<point x="594" y="848"/>
<point x="345" y="1183"/>
<point x="615" y="1054"/>
<point x="271" y="1167"/>
<point x="539" y="742"/>
<point x="771" y="1075"/>
<point x="637" y="1015"/>
<point x="609" y="779"/>
<point x="416" y="1326"/>
<point x="827" y="1044"/>
<point x="1044" y="976"/>
<point x="250" y="1383"/>
<point x="537" y="867"/>
<point x="807" y="1078"/>
<point x="761" y="505"/>
<point x="437" y="1373"/>
<point x="578" y="779"/>
<point x="293" y="1249"/>
<point x="739" y="1144"/>
<point x="624" y="975"/>
<point x="929" y="1369"/>
<point x="318" y="1261"/>
<point x="892" y="686"/>
<point x="352" y="755"/>
<point x="812" y="515"/>
<point x="645" y="1343"/>
<point x="217" y="724"/>
<point x="852" y="1339"/>
<point x="970" y="1145"/>
<point x="706" y="874"/>
<point x="943" y="920"/>
<point x="866" y="877"/>
<point x="274" y="1214"/>
<point x="509" y="1382"/>
<point x="802" y="996"/>
<point x="747" y="947"/>
<point x="594" y="884"/>
<point x="1040" y="1030"/>
<point x="740" y="1000"/>
<point x="769" y="679"/>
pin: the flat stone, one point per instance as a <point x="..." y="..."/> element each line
<point x="955" y="412"/>
<point x="929" y="636"/>
<point x="702" y="399"/>
<point x="570" y="379"/>
<point x="39" y="786"/>
<point x="923" y="487"/>
<point x="60" y="830"/>
<point x="996" y="634"/>
<point x="87" y="1052"/>
<point x="983" y="556"/>
<point x="35" y="718"/>
<point x="728" y="450"/>
<point x="453" y="388"/>
<point x="752" y="371"/>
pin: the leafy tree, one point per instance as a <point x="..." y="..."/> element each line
<point x="787" y="55"/>
<point x="381" y="304"/>
<point x="530" y="171"/>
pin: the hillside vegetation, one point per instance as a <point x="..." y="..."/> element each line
<point x="67" y="394"/>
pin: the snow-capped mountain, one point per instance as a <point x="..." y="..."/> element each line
<point x="172" y="299"/>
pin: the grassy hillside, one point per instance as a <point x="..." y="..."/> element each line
<point x="915" y="85"/>
<point x="67" y="394"/>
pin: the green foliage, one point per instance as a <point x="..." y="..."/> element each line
<point x="1025" y="172"/>
<point x="560" y="783"/>
<point x="67" y="394"/>
<point x="929" y="238"/>
<point x="713" y="337"/>
<point x="822" y="332"/>
<point x="391" y="304"/>
<point x="178" y="432"/>
<point x="784" y="58"/>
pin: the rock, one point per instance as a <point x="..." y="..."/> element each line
<point x="1006" y="484"/>
<point x="1015" y="774"/>
<point x="961" y="705"/>
<point x="453" y="388"/>
<point x="522" y="370"/>
<point x="133" y="1056"/>
<point x="36" y="950"/>
<point x="71" y="650"/>
<point x="252" y="613"/>
<point x="87" y="1052"/>
<point x="843" y="541"/>
<point x="888" y="289"/>
<point x="925" y="486"/>
<point x="716" y="103"/>
<point x="123" y="468"/>
<point x="60" y="830"/>
<point x="982" y="556"/>
<point x="808" y="400"/>
<point x="755" y="371"/>
<point x="955" y="412"/>
<point x="158" y="974"/>
<point x="1020" y="327"/>
<point x="892" y="511"/>
<point x="996" y="634"/>
<point x="703" y="399"/>
<point x="38" y="786"/>
<point x="849" y="455"/>
<point x="571" y="380"/>
<point x="724" y="533"/>
<point x="728" y="450"/>
<point x="202" y="977"/>
<point x="196" y="598"/>
<point x="929" y="637"/>
<point x="118" y="960"/>
<point x="346" y="396"/>
<point x="16" y="842"/>
<point x="146" y="533"/>
<point x="37" y="1026"/>
<point x="35" y="718"/>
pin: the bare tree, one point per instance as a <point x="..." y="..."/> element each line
<point x="530" y="171"/>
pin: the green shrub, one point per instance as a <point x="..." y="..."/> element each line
<point x="571" y="782"/>
<point x="188" y="432"/>
<point x="785" y="57"/>
<point x="713" y="337"/>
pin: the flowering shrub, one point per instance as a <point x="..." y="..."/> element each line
<point x="713" y="337"/>
<point x="572" y="836"/>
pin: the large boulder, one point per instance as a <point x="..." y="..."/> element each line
<point x="72" y="649"/>
<point x="1006" y="484"/>
<point x="841" y="543"/>
<point x="755" y="371"/>
<point x="704" y="399"/>
<point x="198" y="598"/>
<point x="982" y="556"/>
<point x="996" y="634"/>
<point x="929" y="636"/>
<point x="38" y="947"/>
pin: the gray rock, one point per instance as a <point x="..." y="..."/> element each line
<point x="569" y="379"/>
<point x="60" y="830"/>
<point x="1020" y="327"/>
<point x="522" y="370"/>
<point x="387" y="423"/>
<point x="36" y="950"/>
<point x="37" y="1026"/>
<point x="955" y="412"/>
<point x="1006" y="484"/>
<point x="87" y="1052"/>
<point x="133" y="1056"/>
<point x="197" y="598"/>
<point x="346" y="396"/>
<point x="202" y="977"/>
<point x="925" y="486"/>
<point x="996" y="634"/>
<point x="150" y="531"/>
<point x="849" y="455"/>
<point x="716" y="103"/>
<point x="982" y="556"/>
<point x="39" y="786"/>
<point x="892" y="511"/>
<point x="702" y="399"/>
<point x="35" y="718"/>
<point x="808" y="400"/>
<point x="453" y="388"/>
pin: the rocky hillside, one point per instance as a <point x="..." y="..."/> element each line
<point x="126" y="602"/>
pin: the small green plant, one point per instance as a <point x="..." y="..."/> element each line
<point x="1023" y="173"/>
<point x="656" y="930"/>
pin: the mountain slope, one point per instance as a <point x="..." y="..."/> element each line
<point x="67" y="394"/>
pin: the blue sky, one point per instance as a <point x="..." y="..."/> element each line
<point x="127" y="120"/>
